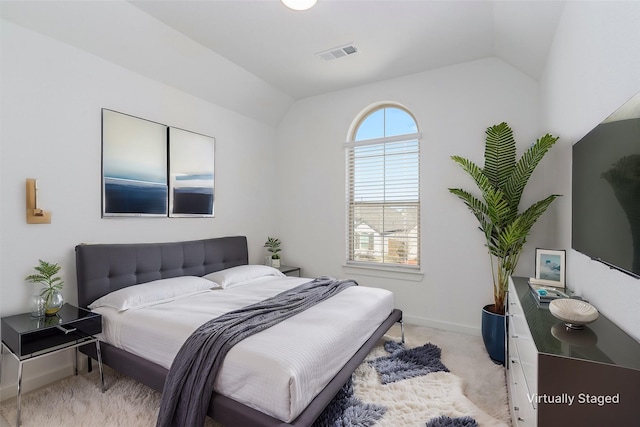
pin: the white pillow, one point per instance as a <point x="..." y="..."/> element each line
<point x="152" y="292"/>
<point x="237" y="275"/>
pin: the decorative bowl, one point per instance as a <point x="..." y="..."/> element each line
<point x="574" y="313"/>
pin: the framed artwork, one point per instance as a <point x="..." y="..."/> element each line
<point x="134" y="166"/>
<point x="191" y="174"/>
<point x="551" y="267"/>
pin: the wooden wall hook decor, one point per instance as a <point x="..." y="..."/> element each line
<point x="35" y="215"/>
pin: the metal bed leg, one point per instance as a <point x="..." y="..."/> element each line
<point x="100" y="365"/>
<point x="402" y="329"/>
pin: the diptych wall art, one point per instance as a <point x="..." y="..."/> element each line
<point x="134" y="166"/>
<point x="153" y="170"/>
<point x="191" y="173"/>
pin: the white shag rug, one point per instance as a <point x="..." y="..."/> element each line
<point x="475" y="387"/>
<point x="413" y="401"/>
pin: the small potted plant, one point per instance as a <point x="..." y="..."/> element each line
<point x="273" y="246"/>
<point x="50" y="296"/>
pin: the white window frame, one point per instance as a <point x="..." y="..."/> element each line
<point x="351" y="240"/>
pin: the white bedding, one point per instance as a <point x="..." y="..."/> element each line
<point x="277" y="371"/>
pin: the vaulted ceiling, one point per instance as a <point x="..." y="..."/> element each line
<point x="273" y="51"/>
<point x="393" y="38"/>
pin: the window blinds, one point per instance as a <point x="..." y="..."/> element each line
<point x="384" y="200"/>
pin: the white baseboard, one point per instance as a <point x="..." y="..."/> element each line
<point x="445" y="326"/>
<point x="9" y="385"/>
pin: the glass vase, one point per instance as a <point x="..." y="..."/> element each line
<point x="53" y="302"/>
<point x="37" y="304"/>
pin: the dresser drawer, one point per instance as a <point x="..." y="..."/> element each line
<point x="522" y="349"/>
<point x="525" y="416"/>
<point x="518" y="325"/>
<point x="527" y="357"/>
<point x="513" y="306"/>
<point x="514" y="397"/>
<point x="526" y="386"/>
<point x="523" y="408"/>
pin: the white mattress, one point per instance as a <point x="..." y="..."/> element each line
<point x="277" y="371"/>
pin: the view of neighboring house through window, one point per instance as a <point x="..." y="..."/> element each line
<point x="383" y="170"/>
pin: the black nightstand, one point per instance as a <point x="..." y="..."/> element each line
<point x="290" y="271"/>
<point x="28" y="338"/>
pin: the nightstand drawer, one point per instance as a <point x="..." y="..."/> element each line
<point x="26" y="335"/>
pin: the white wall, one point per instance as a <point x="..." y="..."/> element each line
<point x="453" y="107"/>
<point x="52" y="95"/>
<point x="593" y="69"/>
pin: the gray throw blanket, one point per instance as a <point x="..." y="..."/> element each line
<point x="189" y="384"/>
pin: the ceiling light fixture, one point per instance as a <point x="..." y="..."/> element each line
<point x="299" y="4"/>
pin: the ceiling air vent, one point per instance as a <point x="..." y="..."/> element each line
<point x="337" y="52"/>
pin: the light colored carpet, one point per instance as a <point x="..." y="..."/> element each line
<point x="475" y="387"/>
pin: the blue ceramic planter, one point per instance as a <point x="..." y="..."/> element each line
<point x="493" y="330"/>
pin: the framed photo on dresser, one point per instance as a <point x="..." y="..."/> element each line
<point x="550" y="267"/>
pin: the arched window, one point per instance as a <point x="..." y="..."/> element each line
<point x="383" y="188"/>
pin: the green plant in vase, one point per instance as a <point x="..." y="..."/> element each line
<point x="46" y="275"/>
<point x="273" y="245"/>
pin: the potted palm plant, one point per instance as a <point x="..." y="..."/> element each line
<point x="501" y="182"/>
<point x="273" y="245"/>
<point x="49" y="296"/>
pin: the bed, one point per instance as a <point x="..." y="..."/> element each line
<point x="103" y="269"/>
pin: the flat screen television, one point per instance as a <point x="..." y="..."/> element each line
<point x="605" y="222"/>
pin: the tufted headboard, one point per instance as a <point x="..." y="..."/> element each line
<point x="104" y="268"/>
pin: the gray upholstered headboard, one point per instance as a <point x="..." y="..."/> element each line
<point x="104" y="268"/>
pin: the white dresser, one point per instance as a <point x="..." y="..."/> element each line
<point x="521" y="363"/>
<point x="558" y="377"/>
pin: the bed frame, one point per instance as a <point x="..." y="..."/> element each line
<point x="104" y="268"/>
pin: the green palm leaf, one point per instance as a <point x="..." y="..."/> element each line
<point x="515" y="184"/>
<point x="499" y="154"/>
<point x="501" y="183"/>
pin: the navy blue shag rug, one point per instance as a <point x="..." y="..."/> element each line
<point x="404" y="363"/>
<point x="346" y="410"/>
<point x="444" y="421"/>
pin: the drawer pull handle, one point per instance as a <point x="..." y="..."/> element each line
<point x="515" y="408"/>
<point x="514" y="336"/>
<point x="66" y="331"/>
<point x="520" y="419"/>
<point x="514" y="361"/>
